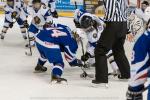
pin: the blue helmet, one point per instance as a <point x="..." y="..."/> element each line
<point x="78" y="13"/>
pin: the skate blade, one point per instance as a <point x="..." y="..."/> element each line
<point x="39" y="72"/>
<point x="112" y="77"/>
<point x="101" y="85"/>
<point x="58" y="83"/>
<point x="124" y="80"/>
<point x="91" y="75"/>
<point x="112" y="74"/>
<point x="88" y="76"/>
<point x="32" y="46"/>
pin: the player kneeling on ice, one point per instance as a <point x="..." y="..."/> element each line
<point x="13" y="11"/>
<point x="140" y="67"/>
<point x="92" y="26"/>
<point x="50" y="42"/>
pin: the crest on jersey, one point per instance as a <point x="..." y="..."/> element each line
<point x="94" y="35"/>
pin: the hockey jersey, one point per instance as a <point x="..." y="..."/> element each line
<point x="58" y="34"/>
<point x="141" y="54"/>
<point x="43" y="14"/>
<point x="16" y="8"/>
<point x="145" y="15"/>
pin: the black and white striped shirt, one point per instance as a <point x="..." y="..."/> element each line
<point x="115" y="10"/>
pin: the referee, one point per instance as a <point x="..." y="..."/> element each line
<point x="113" y="37"/>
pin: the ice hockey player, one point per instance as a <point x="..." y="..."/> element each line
<point x="52" y="5"/>
<point x="140" y="71"/>
<point x="25" y="5"/>
<point x="50" y="42"/>
<point x="140" y="12"/>
<point x="40" y="15"/>
<point x="13" y="11"/>
<point x="92" y="26"/>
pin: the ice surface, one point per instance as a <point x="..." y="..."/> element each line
<point x="18" y="82"/>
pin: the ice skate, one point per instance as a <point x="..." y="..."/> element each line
<point x="58" y="80"/>
<point x="40" y="69"/>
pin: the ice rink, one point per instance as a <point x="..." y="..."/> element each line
<point x="18" y="82"/>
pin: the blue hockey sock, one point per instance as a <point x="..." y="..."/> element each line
<point x="57" y="70"/>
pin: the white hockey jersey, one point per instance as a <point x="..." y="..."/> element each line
<point x="43" y="14"/>
<point x="16" y="8"/>
<point x="48" y="3"/>
<point x="93" y="34"/>
<point x="145" y="15"/>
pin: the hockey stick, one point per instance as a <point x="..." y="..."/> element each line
<point x="30" y="48"/>
<point x="84" y="74"/>
<point x="76" y="6"/>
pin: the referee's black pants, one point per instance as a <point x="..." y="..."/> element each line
<point x="113" y="37"/>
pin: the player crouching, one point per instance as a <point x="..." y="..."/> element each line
<point x="50" y="42"/>
<point x="92" y="26"/>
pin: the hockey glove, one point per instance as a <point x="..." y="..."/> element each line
<point x="14" y="15"/>
<point x="54" y="14"/>
<point x="86" y="56"/>
<point x="77" y="24"/>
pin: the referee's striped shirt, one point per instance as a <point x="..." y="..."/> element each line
<point x="115" y="10"/>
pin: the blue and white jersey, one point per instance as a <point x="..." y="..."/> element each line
<point x="140" y="57"/>
<point x="50" y="3"/>
<point x="142" y="47"/>
<point x="24" y="7"/>
<point x="43" y="14"/>
<point x="144" y="15"/>
<point x="58" y="34"/>
<point x="15" y="8"/>
<point x="93" y="35"/>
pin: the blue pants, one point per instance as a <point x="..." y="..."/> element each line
<point x="69" y="46"/>
<point x="54" y="56"/>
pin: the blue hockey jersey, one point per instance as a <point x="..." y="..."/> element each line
<point x="58" y="34"/>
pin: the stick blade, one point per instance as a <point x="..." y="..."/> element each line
<point x="28" y="54"/>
